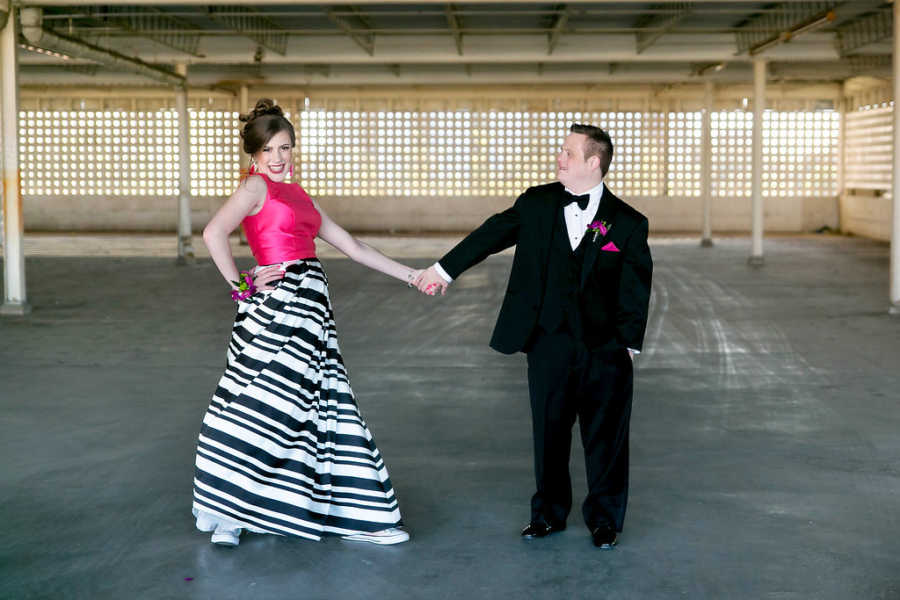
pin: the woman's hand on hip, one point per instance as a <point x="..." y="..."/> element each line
<point x="263" y="277"/>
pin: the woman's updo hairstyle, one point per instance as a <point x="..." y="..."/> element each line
<point x="265" y="120"/>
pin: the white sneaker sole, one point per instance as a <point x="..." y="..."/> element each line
<point x="225" y="538"/>
<point x="396" y="536"/>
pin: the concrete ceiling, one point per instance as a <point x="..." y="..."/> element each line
<point x="302" y="43"/>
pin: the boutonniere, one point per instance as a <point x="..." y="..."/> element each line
<point x="599" y="228"/>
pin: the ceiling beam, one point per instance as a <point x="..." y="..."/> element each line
<point x="870" y="64"/>
<point x="83" y="69"/>
<point x="658" y="26"/>
<point x="70" y="3"/>
<point x="499" y="11"/>
<point x="31" y="21"/>
<point x="250" y="23"/>
<point x="869" y="29"/>
<point x="482" y="32"/>
<point x="90" y="69"/>
<point x="362" y="16"/>
<point x="151" y="23"/>
<point x="364" y="41"/>
<point x="559" y="24"/>
<point x="453" y="21"/>
<point x="599" y="74"/>
<point x="508" y="49"/>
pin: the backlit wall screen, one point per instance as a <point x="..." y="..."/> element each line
<point x="425" y="153"/>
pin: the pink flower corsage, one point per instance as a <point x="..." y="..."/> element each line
<point x="599" y="228"/>
<point x="245" y="287"/>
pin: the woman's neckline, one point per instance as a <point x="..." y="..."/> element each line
<point x="270" y="180"/>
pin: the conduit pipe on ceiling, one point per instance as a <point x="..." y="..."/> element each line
<point x="32" y="19"/>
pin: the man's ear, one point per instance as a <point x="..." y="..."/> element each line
<point x="594" y="162"/>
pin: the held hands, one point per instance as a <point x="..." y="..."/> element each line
<point x="430" y="282"/>
<point x="413" y="279"/>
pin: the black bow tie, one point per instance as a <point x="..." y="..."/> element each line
<point x="581" y="200"/>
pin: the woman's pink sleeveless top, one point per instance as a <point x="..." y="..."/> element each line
<point x="285" y="227"/>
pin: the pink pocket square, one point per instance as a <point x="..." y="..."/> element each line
<point x="610" y="247"/>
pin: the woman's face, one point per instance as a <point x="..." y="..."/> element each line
<point x="274" y="160"/>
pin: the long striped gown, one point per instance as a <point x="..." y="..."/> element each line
<point x="283" y="448"/>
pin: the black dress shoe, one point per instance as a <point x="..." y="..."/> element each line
<point x="604" y="537"/>
<point x="539" y="529"/>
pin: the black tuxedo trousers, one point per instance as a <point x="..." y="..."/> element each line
<point x="568" y="381"/>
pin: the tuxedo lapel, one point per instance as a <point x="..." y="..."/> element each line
<point x="609" y="205"/>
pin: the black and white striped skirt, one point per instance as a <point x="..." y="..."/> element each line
<point x="283" y="448"/>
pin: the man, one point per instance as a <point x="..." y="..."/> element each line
<point x="576" y="304"/>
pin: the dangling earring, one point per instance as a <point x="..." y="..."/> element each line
<point x="291" y="171"/>
<point x="252" y="168"/>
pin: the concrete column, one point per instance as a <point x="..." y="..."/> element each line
<point x="706" y="165"/>
<point x="895" y="185"/>
<point x="244" y="107"/>
<point x="243" y="158"/>
<point x="842" y="153"/>
<point x="299" y="108"/>
<point x="759" y="105"/>
<point x="14" y="300"/>
<point x="185" y="247"/>
<point x="666" y="191"/>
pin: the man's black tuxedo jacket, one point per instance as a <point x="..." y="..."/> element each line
<point x="615" y="286"/>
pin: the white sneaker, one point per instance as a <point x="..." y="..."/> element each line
<point x="383" y="537"/>
<point x="206" y="522"/>
<point x="226" y="537"/>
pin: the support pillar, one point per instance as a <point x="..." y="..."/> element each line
<point x="759" y="106"/>
<point x="895" y="185"/>
<point x="243" y="158"/>
<point x="14" y="298"/>
<point x="706" y="165"/>
<point x="666" y="187"/>
<point x="244" y="106"/>
<point x="842" y="158"/>
<point x="185" y="246"/>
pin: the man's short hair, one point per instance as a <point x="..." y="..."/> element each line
<point x="598" y="144"/>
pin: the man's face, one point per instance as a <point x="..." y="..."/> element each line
<point x="572" y="170"/>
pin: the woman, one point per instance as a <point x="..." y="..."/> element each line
<point x="283" y="448"/>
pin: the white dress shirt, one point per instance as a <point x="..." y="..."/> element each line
<point x="577" y="220"/>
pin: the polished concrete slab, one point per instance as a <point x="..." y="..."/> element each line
<point x="765" y="445"/>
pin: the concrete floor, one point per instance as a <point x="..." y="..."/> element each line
<point x="765" y="436"/>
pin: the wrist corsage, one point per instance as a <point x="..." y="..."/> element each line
<point x="245" y="287"/>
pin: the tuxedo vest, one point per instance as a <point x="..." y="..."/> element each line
<point x="562" y="293"/>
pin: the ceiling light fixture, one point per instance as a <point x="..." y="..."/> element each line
<point x="705" y="69"/>
<point x="45" y="52"/>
